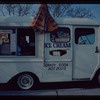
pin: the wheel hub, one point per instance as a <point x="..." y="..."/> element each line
<point x="25" y="81"/>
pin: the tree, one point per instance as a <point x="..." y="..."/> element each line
<point x="79" y="12"/>
<point x="16" y="9"/>
<point x="56" y="10"/>
<point x="66" y="10"/>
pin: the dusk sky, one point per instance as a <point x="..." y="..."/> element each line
<point x="95" y="9"/>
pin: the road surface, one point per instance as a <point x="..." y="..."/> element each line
<point x="56" y="89"/>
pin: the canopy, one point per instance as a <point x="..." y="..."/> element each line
<point x="43" y="21"/>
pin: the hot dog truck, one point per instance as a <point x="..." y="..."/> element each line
<point x="70" y="53"/>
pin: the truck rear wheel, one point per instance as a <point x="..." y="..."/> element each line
<point x="25" y="81"/>
<point x="98" y="79"/>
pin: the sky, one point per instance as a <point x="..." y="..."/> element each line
<point x="95" y="9"/>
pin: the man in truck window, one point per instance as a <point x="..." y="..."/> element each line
<point x="22" y="47"/>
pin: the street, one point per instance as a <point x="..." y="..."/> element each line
<point x="55" y="89"/>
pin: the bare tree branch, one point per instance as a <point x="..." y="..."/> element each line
<point x="15" y="9"/>
<point x="66" y="10"/>
<point x="2" y="10"/>
<point x="79" y="12"/>
<point x="56" y="10"/>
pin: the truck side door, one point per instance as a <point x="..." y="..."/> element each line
<point x="85" y="51"/>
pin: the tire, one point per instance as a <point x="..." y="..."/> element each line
<point x="98" y="78"/>
<point x="25" y="81"/>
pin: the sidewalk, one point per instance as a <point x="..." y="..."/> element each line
<point x="29" y="93"/>
<point x="54" y="92"/>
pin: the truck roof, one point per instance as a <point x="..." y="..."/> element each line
<point x="76" y="21"/>
<point x="26" y="21"/>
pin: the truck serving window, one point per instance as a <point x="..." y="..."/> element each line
<point x="17" y="43"/>
<point x="60" y="35"/>
<point x="84" y="36"/>
<point x="25" y="42"/>
<point x="7" y="40"/>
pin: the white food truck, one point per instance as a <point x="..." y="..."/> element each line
<point x="70" y="53"/>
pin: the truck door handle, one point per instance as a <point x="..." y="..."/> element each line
<point x="97" y="51"/>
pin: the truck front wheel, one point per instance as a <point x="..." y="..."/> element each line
<point x="25" y="81"/>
